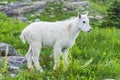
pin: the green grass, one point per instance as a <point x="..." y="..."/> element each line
<point x="101" y="45"/>
<point x="95" y="55"/>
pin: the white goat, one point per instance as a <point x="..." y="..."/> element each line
<point x="60" y="35"/>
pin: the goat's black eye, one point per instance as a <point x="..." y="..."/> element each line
<point x="83" y="21"/>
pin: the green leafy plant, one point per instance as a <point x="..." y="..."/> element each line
<point x="5" y="68"/>
<point x="112" y="18"/>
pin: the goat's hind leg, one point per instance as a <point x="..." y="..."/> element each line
<point x="36" y="47"/>
<point x="29" y="58"/>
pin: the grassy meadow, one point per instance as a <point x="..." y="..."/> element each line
<point x="95" y="55"/>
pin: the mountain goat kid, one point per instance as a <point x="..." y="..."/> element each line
<point x="60" y="35"/>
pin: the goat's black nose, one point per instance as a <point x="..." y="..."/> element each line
<point x="90" y="30"/>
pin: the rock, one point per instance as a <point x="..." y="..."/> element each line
<point x="70" y="6"/>
<point x="18" y="8"/>
<point x="13" y="71"/>
<point x="99" y="17"/>
<point x="74" y="0"/>
<point x="16" y="61"/>
<point x="32" y="15"/>
<point x="81" y="3"/>
<point x="13" y="68"/>
<point x="81" y="8"/>
<point x="27" y="6"/>
<point x="12" y="75"/>
<point x="91" y="17"/>
<point x="109" y="79"/>
<point x="17" y="4"/>
<point x="28" y="1"/>
<point x="28" y="9"/>
<point x="9" y="10"/>
<point x="37" y="20"/>
<point x="65" y="9"/>
<point x="2" y="7"/>
<point x="11" y="50"/>
<point x="22" y="18"/>
<point x="14" y="5"/>
<point x="51" y="1"/>
<point x="52" y="16"/>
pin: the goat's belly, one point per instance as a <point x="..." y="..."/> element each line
<point x="66" y="44"/>
<point x="48" y="39"/>
<point x="48" y="42"/>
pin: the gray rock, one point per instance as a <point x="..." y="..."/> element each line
<point x="81" y="8"/>
<point x="16" y="61"/>
<point x="70" y="6"/>
<point x="91" y="17"/>
<point x="51" y="1"/>
<point x="81" y="3"/>
<point x="65" y="9"/>
<point x="37" y="20"/>
<point x="99" y="17"/>
<point x="32" y="15"/>
<point x="75" y="0"/>
<point x="18" y="8"/>
<point x="109" y="79"/>
<point x="22" y="18"/>
<point x="2" y="8"/>
<point x="15" y="5"/>
<point x="28" y="1"/>
<point x="13" y="70"/>
<point x="9" y="10"/>
<point x="52" y="16"/>
<point x="11" y="50"/>
<point x="28" y="9"/>
<point x="12" y="75"/>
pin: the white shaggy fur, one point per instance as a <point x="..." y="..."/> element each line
<point x="60" y="35"/>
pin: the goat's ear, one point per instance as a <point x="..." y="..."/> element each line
<point x="87" y="13"/>
<point x="79" y="15"/>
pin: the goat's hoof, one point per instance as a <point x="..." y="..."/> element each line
<point x="41" y="70"/>
<point x="30" y="69"/>
<point x="54" y="68"/>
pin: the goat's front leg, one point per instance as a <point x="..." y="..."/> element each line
<point x="57" y="52"/>
<point x="65" y="56"/>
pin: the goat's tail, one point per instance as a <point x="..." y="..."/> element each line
<point x="22" y="37"/>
